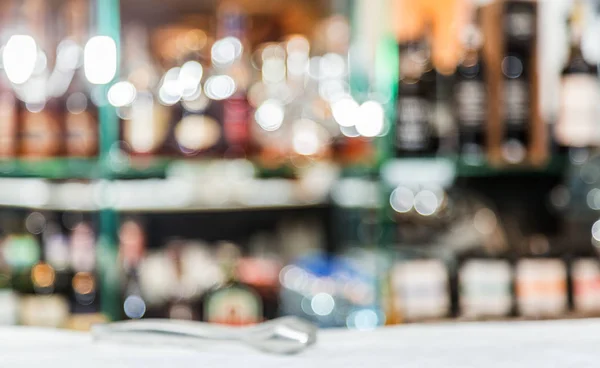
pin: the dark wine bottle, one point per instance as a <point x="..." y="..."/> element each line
<point x="471" y="99"/>
<point x="40" y="125"/>
<point x="519" y="30"/>
<point x="577" y="125"/>
<point x="233" y="302"/>
<point x="80" y="113"/>
<point x="415" y="133"/>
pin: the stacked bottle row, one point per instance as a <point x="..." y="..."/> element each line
<point x="228" y="88"/>
<point x="482" y="98"/>
<point x="47" y="105"/>
<point x="494" y="288"/>
<point x="48" y="270"/>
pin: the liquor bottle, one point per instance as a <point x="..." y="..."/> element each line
<point x="585" y="281"/>
<point x="577" y="125"/>
<point x="471" y="99"/>
<point x="132" y="247"/>
<point x="80" y="113"/>
<point x="420" y="290"/>
<point x="84" y="285"/>
<point x="183" y="295"/>
<point x="485" y="285"/>
<point x="191" y="130"/>
<point x="234" y="110"/>
<point x="232" y="303"/>
<point x="541" y="285"/>
<point x="517" y="74"/>
<point x="55" y="247"/>
<point x="261" y="271"/>
<point x="40" y="127"/>
<point x="415" y="133"/>
<point x="8" y="102"/>
<point x="143" y="120"/>
<point x="34" y="278"/>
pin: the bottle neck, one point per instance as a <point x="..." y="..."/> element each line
<point x="75" y="15"/>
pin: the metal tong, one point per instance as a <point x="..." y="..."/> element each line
<point x="285" y="335"/>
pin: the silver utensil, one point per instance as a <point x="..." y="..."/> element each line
<point x="285" y="335"/>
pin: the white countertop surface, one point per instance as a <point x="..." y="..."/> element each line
<point x="567" y="343"/>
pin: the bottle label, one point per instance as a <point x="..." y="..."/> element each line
<point x="413" y="123"/>
<point x="520" y="24"/>
<point x="235" y="120"/>
<point x="233" y="306"/>
<point x="81" y="135"/>
<point x="516" y="102"/>
<point x="586" y="285"/>
<point x="40" y="134"/>
<point x="421" y="289"/>
<point x="541" y="287"/>
<point x="579" y="114"/>
<point x="485" y="288"/>
<point x="471" y="103"/>
<point x="45" y="311"/>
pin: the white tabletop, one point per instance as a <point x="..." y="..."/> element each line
<point x="570" y="343"/>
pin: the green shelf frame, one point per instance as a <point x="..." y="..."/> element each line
<point x="109" y="24"/>
<point x="55" y="168"/>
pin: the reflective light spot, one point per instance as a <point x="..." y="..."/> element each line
<point x="349" y="132"/>
<point x="322" y="304"/>
<point x="560" y="196"/>
<point x="197" y="132"/>
<point x="196" y="103"/>
<point x="332" y="66"/>
<point x="269" y="115"/>
<point x="345" y="111"/>
<point x="226" y="51"/>
<point x="402" y="199"/>
<point x="578" y="156"/>
<point x="426" y="203"/>
<point x="19" y="58"/>
<point x="190" y="77"/>
<point x="134" y="307"/>
<point x="539" y="244"/>
<point x="513" y="151"/>
<point x="371" y="119"/>
<point x="306" y="307"/>
<point x="333" y="90"/>
<point x="35" y="223"/>
<point x="305" y="140"/>
<point x="69" y="56"/>
<point x="293" y="277"/>
<point x="77" y="103"/>
<point x="100" y="59"/>
<point x="273" y="70"/>
<point x="589" y="173"/>
<point x="298" y="43"/>
<point x="43" y="275"/>
<point x="170" y="92"/>
<point x="219" y="87"/>
<point x="297" y="63"/>
<point x="512" y="67"/>
<point x="314" y="67"/>
<point x="122" y="94"/>
<point x="84" y="283"/>
<point x="485" y="221"/>
<point x="596" y="231"/>
<point x="363" y="320"/>
<point x="41" y="63"/>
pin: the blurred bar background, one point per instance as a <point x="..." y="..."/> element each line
<point x="357" y="163"/>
